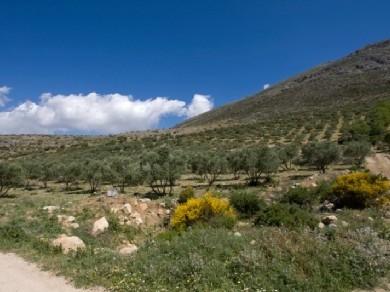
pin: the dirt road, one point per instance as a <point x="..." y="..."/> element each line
<point x="379" y="163"/>
<point x="17" y="275"/>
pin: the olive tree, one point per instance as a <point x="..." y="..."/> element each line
<point x="210" y="166"/>
<point x="94" y="172"/>
<point x="234" y="160"/>
<point x="161" y="169"/>
<point x="10" y="176"/>
<point x="287" y="154"/>
<point x="357" y="151"/>
<point x="320" y="154"/>
<point x="258" y="162"/>
<point x="125" y="172"/>
<point x="70" y="173"/>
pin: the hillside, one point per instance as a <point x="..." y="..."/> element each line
<point x="358" y="79"/>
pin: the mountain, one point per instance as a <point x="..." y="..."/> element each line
<point x="355" y="81"/>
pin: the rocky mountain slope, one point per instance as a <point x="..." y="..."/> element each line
<point x="357" y="80"/>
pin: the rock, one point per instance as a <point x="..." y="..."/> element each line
<point x="167" y="212"/>
<point x="321" y="225"/>
<point x="370" y="219"/>
<point x="100" y="226"/>
<point x="68" y="221"/>
<point x="332" y="225"/>
<point x="314" y="184"/>
<point x="329" y="219"/>
<point x="128" y="249"/>
<point x="69" y="243"/>
<point x="344" y="223"/>
<point x="145" y="200"/>
<point x="326" y="206"/>
<point x="112" y="192"/>
<point x="252" y="242"/>
<point x="50" y="209"/>
<point x="143" y="207"/>
<point x="160" y="212"/>
<point x="238" y="234"/>
<point x="127" y="208"/>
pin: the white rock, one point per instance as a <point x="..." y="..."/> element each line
<point x="50" y="209"/>
<point x="127" y="208"/>
<point x="238" y="234"/>
<point x="69" y="243"/>
<point x="332" y="225"/>
<point x="253" y="242"/>
<point x="114" y="210"/>
<point x="344" y="223"/>
<point x="143" y="207"/>
<point x="100" y="226"/>
<point x="321" y="225"/>
<point x="370" y="219"/>
<point x="128" y="249"/>
<point x="145" y="200"/>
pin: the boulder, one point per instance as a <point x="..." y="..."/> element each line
<point x="143" y="207"/>
<point x="100" y="226"/>
<point x="69" y="243"/>
<point x="329" y="219"/>
<point x="68" y="221"/>
<point x="128" y="249"/>
<point x="50" y="209"/>
<point x="127" y="208"/>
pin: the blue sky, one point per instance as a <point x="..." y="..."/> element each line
<point x="227" y="49"/>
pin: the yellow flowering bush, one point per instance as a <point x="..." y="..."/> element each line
<point x="202" y="210"/>
<point x="360" y="190"/>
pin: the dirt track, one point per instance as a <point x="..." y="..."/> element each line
<point x="17" y="275"/>
<point x="379" y="163"/>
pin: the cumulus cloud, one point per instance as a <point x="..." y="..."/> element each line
<point x="266" y="86"/>
<point x="96" y="113"/>
<point x="200" y="104"/>
<point x="4" y="91"/>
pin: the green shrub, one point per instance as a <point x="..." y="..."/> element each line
<point x="300" y="196"/>
<point x="247" y="204"/>
<point x="285" y="215"/>
<point x="186" y="194"/>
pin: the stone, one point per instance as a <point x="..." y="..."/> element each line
<point x="128" y="249"/>
<point x="332" y="225"/>
<point x="143" y="207"/>
<point x="50" y="209"/>
<point x="145" y="200"/>
<point x="100" y="226"/>
<point x="326" y="206"/>
<point x="370" y="219"/>
<point x="314" y="184"/>
<point x="344" y="223"/>
<point x="69" y="243"/>
<point x="112" y="192"/>
<point x="68" y="221"/>
<point x="253" y="242"/>
<point x="329" y="219"/>
<point x="238" y="234"/>
<point x="321" y="225"/>
<point x="127" y="208"/>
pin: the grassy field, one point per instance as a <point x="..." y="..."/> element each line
<point x="248" y="257"/>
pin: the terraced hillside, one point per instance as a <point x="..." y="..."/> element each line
<point x="355" y="82"/>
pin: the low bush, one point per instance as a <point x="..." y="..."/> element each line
<point x="285" y="215"/>
<point x="360" y="190"/>
<point x="185" y="195"/>
<point x="247" y="204"/>
<point x="300" y="196"/>
<point x="202" y="210"/>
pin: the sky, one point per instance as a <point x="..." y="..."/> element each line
<point x="100" y="67"/>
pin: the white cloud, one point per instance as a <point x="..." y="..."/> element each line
<point x="95" y="113"/>
<point x="4" y="91"/>
<point x="200" y="104"/>
<point x="266" y="86"/>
